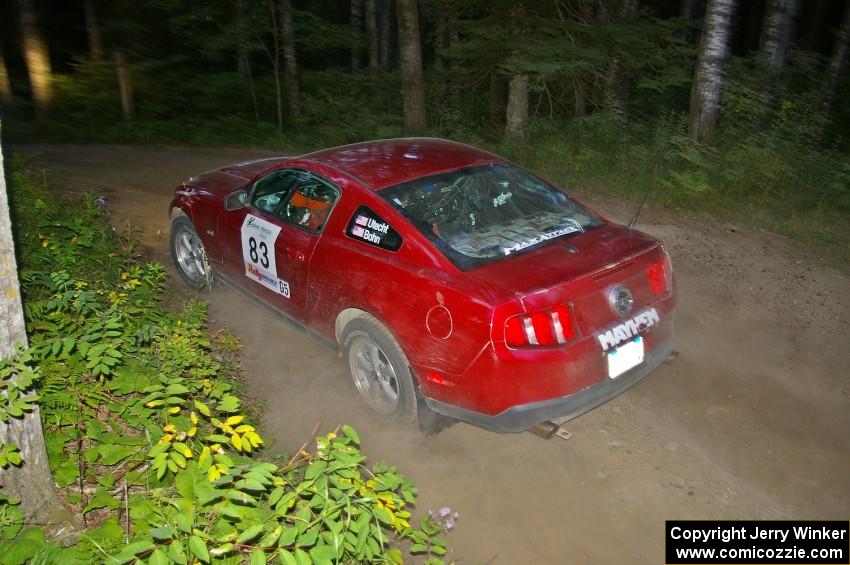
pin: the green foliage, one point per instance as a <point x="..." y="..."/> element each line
<point x="144" y="426"/>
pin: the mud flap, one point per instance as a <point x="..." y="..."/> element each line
<point x="431" y="423"/>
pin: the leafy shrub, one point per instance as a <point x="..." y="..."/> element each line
<point x="146" y="433"/>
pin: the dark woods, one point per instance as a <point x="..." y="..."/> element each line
<point x="710" y="100"/>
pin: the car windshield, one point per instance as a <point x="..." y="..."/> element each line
<point x="479" y="214"/>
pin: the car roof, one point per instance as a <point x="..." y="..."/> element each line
<point x="388" y="162"/>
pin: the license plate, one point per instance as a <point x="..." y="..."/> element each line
<point x="623" y="358"/>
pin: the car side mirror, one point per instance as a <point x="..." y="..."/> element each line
<point x="236" y="201"/>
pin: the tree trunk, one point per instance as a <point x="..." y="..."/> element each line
<point x="243" y="57"/>
<point x="356" y="30"/>
<point x="410" y="62"/>
<point x="372" y="32"/>
<point x="290" y="62"/>
<point x="688" y="9"/>
<point x="779" y="27"/>
<point x="580" y="87"/>
<point x="441" y="34"/>
<point x="836" y="63"/>
<point x="813" y="33"/>
<point x="125" y="85"/>
<point x="516" y="123"/>
<point x="6" y="98"/>
<point x="32" y="482"/>
<point x="708" y="78"/>
<point x="616" y="80"/>
<point x="386" y="33"/>
<point x="36" y="57"/>
<point x="93" y="31"/>
<point x="498" y="100"/>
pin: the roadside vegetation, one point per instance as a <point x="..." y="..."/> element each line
<point x="148" y="438"/>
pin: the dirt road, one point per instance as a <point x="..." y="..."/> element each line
<point x="750" y="422"/>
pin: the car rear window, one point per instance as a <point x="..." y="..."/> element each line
<point x="476" y="215"/>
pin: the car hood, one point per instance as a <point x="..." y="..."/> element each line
<point x="227" y="179"/>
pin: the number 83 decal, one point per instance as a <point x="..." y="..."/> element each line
<point x="258" y="239"/>
<point x="259" y="253"/>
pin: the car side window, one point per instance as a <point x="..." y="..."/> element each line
<point x="368" y="227"/>
<point x="270" y="191"/>
<point x="310" y="202"/>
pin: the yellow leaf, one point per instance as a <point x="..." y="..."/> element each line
<point x="213" y="474"/>
<point x="166" y="438"/>
<point x="244" y="428"/>
<point x="233" y="420"/>
<point x="174" y="410"/>
<point x="170" y="429"/>
<point x="194" y="418"/>
<point x="192" y="431"/>
<point x="236" y="441"/>
<point x="153" y="403"/>
<point x="184" y="449"/>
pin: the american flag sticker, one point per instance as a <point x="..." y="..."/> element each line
<point x="361" y="221"/>
<point x="357" y="230"/>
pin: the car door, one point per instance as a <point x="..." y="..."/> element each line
<point x="271" y="240"/>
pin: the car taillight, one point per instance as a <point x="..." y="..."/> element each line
<point x="659" y="276"/>
<point x="546" y="327"/>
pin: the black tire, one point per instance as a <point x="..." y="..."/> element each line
<point x="391" y="393"/>
<point x="188" y="254"/>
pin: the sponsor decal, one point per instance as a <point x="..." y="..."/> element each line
<point x="367" y="226"/>
<point x="571" y="227"/>
<point x="628" y="329"/>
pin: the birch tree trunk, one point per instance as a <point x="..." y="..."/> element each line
<point x="32" y="482"/>
<point x="93" y="31"/>
<point x="290" y="61"/>
<point x="836" y="63"/>
<point x="125" y="85"/>
<point x="709" y="77"/>
<point x="516" y="122"/>
<point x="778" y="31"/>
<point x="410" y="62"/>
<point x="356" y="30"/>
<point x="6" y="98"/>
<point x="36" y="57"/>
<point x="372" y="32"/>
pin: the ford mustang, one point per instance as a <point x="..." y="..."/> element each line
<point x="453" y="281"/>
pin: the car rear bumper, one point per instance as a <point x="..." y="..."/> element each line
<point x="523" y="416"/>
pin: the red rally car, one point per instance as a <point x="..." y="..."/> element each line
<point x="453" y="280"/>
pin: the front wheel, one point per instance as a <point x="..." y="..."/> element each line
<point x="187" y="252"/>
<point x="379" y="369"/>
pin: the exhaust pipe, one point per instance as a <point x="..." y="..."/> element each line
<point x="546" y="430"/>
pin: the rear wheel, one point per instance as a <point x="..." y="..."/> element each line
<point x="187" y="252"/>
<point x="379" y="369"/>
